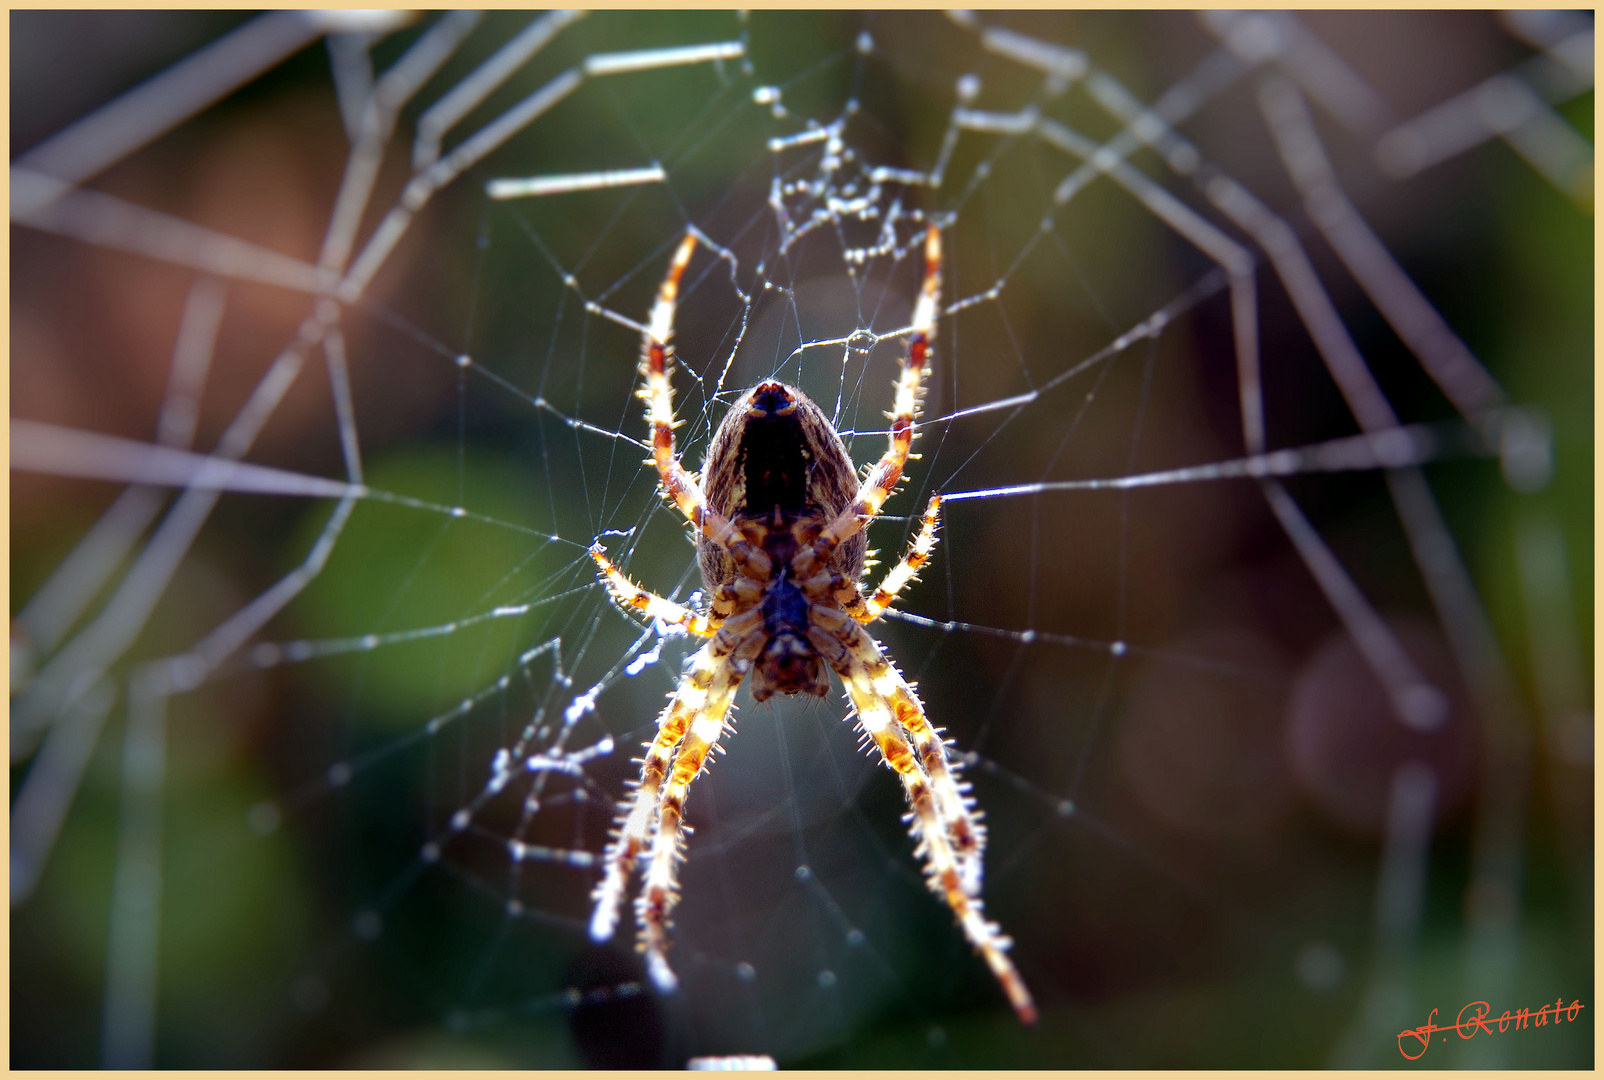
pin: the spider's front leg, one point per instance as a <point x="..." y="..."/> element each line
<point x="707" y="686"/>
<point x="883" y="477"/>
<point x="876" y="686"/>
<point x="657" y="366"/>
<point x="950" y="839"/>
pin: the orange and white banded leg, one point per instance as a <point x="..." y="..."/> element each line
<point x="899" y="576"/>
<point x="708" y="679"/>
<point x="657" y="368"/>
<point x="882" y="478"/>
<point x="870" y="677"/>
<point x="660" y="892"/>
<point x="931" y="830"/>
<point x="630" y="595"/>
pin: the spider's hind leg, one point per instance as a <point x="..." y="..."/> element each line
<point x="876" y="687"/>
<point x="950" y="840"/>
<point x="660" y="892"/>
<point x="635" y="821"/>
<point x="708" y="685"/>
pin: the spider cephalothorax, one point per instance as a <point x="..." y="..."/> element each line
<point x="779" y="518"/>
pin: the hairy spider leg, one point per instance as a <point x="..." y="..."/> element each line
<point x="882" y="478"/>
<point x="657" y="366"/>
<point x="897" y="578"/>
<point x="660" y="892"/>
<point x="884" y="703"/>
<point x="709" y="680"/>
<point x="649" y="604"/>
<point x="870" y="673"/>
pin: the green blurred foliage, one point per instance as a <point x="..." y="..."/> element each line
<point x="398" y="569"/>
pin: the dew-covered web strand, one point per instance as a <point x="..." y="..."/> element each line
<point x="126" y="1040"/>
<point x="446" y="351"/>
<point x="1417" y="702"/>
<point x="1123" y="578"/>
<point x="135" y="1047"/>
<point x="1386" y="656"/>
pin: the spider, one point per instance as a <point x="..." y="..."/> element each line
<point x="779" y="519"/>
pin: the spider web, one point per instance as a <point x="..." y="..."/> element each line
<point x="1258" y="408"/>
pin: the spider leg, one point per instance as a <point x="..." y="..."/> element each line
<point x="630" y="595"/>
<point x="661" y="891"/>
<point x="949" y="838"/>
<point x="709" y="679"/>
<point x="874" y="683"/>
<point x="657" y="366"/>
<point x="883" y="476"/>
<point x="897" y="579"/>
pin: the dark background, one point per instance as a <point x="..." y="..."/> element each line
<point x="1185" y="841"/>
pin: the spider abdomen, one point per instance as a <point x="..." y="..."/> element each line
<point x="777" y="458"/>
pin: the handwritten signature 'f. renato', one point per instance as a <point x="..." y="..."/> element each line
<point x="1419" y="1039"/>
